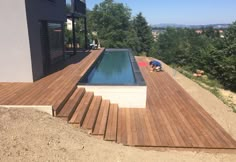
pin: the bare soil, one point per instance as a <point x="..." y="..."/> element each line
<point x="30" y="135"/>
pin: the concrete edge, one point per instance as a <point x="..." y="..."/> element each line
<point x="42" y="108"/>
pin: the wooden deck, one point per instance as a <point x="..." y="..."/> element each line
<point x="171" y="119"/>
<point x="52" y="90"/>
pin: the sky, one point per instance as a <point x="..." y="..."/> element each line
<point x="186" y="12"/>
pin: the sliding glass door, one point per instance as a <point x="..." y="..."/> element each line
<point x="52" y="44"/>
<point x="55" y="36"/>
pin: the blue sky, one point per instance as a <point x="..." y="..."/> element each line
<point x="189" y="12"/>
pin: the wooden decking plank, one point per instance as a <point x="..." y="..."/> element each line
<point x="12" y="100"/>
<point x="170" y="129"/>
<point x="164" y="98"/>
<point x="114" y="123"/>
<point x="91" y="116"/>
<point x="148" y="138"/>
<point x="194" y="120"/>
<point x="212" y="125"/>
<point x="134" y="132"/>
<point x="60" y="102"/>
<point x="101" y="122"/>
<point x="219" y="134"/>
<point x="102" y="129"/>
<point x="111" y="130"/>
<point x="70" y="106"/>
<point x="137" y="123"/>
<point x="150" y="132"/>
<point x="50" y="90"/>
<point x="163" y="92"/>
<point x="121" y="130"/>
<point x="200" y="129"/>
<point x="179" y="133"/>
<point x="99" y="118"/>
<point x="166" y="107"/>
<point x="81" y="110"/>
<point x="40" y="97"/>
<point x="109" y="123"/>
<point x="164" y="135"/>
<point x="8" y="90"/>
<point x="128" y="127"/>
<point x="27" y="95"/>
<point x="155" y="131"/>
<point x="192" y="134"/>
<point x="107" y="134"/>
<point x="124" y="127"/>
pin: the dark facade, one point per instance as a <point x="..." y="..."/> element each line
<point x="45" y="20"/>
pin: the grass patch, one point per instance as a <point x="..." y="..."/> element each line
<point x="211" y="85"/>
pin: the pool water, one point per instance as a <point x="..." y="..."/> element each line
<point x="112" y="68"/>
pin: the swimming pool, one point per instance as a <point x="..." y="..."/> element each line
<point x="114" y="67"/>
<point x="116" y="76"/>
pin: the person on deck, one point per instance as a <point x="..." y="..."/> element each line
<point x="155" y="65"/>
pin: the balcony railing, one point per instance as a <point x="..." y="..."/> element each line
<point x="76" y="6"/>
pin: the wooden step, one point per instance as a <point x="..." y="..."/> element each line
<point x="91" y="117"/>
<point x="70" y="106"/>
<point x="102" y="118"/>
<point x="60" y="104"/>
<point x="111" y="130"/>
<point x="81" y="110"/>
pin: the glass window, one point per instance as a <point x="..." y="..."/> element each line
<point x="68" y="6"/>
<point x="55" y="35"/>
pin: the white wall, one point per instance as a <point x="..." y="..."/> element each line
<point x="124" y="96"/>
<point x="15" y="58"/>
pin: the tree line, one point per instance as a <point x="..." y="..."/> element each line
<point x="208" y="51"/>
<point x="116" y="28"/>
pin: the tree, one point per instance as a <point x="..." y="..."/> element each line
<point x="144" y="34"/>
<point x="112" y="23"/>
<point x="215" y="55"/>
<point x="227" y="63"/>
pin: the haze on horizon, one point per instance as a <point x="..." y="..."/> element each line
<point x="185" y="12"/>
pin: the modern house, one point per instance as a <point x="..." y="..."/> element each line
<point x="33" y="40"/>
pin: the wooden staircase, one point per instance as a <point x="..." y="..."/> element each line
<point x="92" y="113"/>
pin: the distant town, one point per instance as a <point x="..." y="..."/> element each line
<point x="215" y="26"/>
<point x="161" y="28"/>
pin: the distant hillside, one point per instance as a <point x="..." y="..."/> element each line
<point x="215" y="26"/>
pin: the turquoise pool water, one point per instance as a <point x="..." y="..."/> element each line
<point x="112" y="68"/>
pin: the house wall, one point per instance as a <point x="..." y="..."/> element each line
<point x="15" y="59"/>
<point x="41" y="10"/>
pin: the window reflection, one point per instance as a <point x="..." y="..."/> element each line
<point x="55" y="35"/>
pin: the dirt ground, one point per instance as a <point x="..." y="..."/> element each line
<point x="30" y="135"/>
